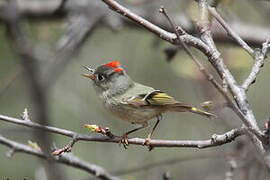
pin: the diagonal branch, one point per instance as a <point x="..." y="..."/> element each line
<point x="141" y="21"/>
<point x="260" y="57"/>
<point x="238" y="93"/>
<point x="203" y="70"/>
<point x="67" y="159"/>
<point x="230" y="31"/>
<point x="163" y="34"/>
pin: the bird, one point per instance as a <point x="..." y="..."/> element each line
<point x="131" y="101"/>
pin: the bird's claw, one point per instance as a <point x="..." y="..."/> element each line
<point x="147" y="143"/>
<point x="124" y="140"/>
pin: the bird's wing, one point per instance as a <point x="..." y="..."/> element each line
<point x="160" y="98"/>
<point x="153" y="98"/>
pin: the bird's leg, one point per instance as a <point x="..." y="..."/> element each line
<point x="124" y="137"/>
<point x="147" y="140"/>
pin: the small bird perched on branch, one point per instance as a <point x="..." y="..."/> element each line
<point x="131" y="101"/>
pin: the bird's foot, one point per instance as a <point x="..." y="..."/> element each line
<point x="124" y="141"/>
<point x="147" y="143"/>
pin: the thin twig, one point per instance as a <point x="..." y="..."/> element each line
<point x="66" y="148"/>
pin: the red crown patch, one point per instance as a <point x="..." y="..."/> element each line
<point x="113" y="64"/>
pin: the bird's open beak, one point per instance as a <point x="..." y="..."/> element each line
<point x="91" y="75"/>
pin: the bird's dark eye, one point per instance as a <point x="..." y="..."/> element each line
<point x="100" y="77"/>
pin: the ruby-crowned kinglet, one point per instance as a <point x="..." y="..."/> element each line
<point x="131" y="101"/>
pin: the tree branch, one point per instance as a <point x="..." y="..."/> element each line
<point x="260" y="56"/>
<point x="238" y="93"/>
<point x="230" y="31"/>
<point x="203" y="70"/>
<point x="67" y="159"/>
<point x="163" y="34"/>
<point x="33" y="9"/>
<point x="216" y="140"/>
<point x="141" y="21"/>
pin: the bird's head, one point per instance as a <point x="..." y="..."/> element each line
<point x="109" y="76"/>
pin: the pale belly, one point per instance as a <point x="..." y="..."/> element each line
<point x="130" y="113"/>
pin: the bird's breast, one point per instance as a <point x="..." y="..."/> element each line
<point x="129" y="113"/>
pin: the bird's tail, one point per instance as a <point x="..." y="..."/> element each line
<point x="201" y="112"/>
<point x="180" y="107"/>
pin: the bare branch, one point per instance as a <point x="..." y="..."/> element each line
<point x="239" y="95"/>
<point x="203" y="70"/>
<point x="204" y="24"/>
<point x="230" y="31"/>
<point x="67" y="159"/>
<point x="66" y="148"/>
<point x="260" y="56"/>
<point x="141" y="21"/>
<point x="161" y="33"/>
<point x="53" y="9"/>
<point x="216" y="140"/>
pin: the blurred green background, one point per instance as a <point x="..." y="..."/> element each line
<point x="73" y="102"/>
